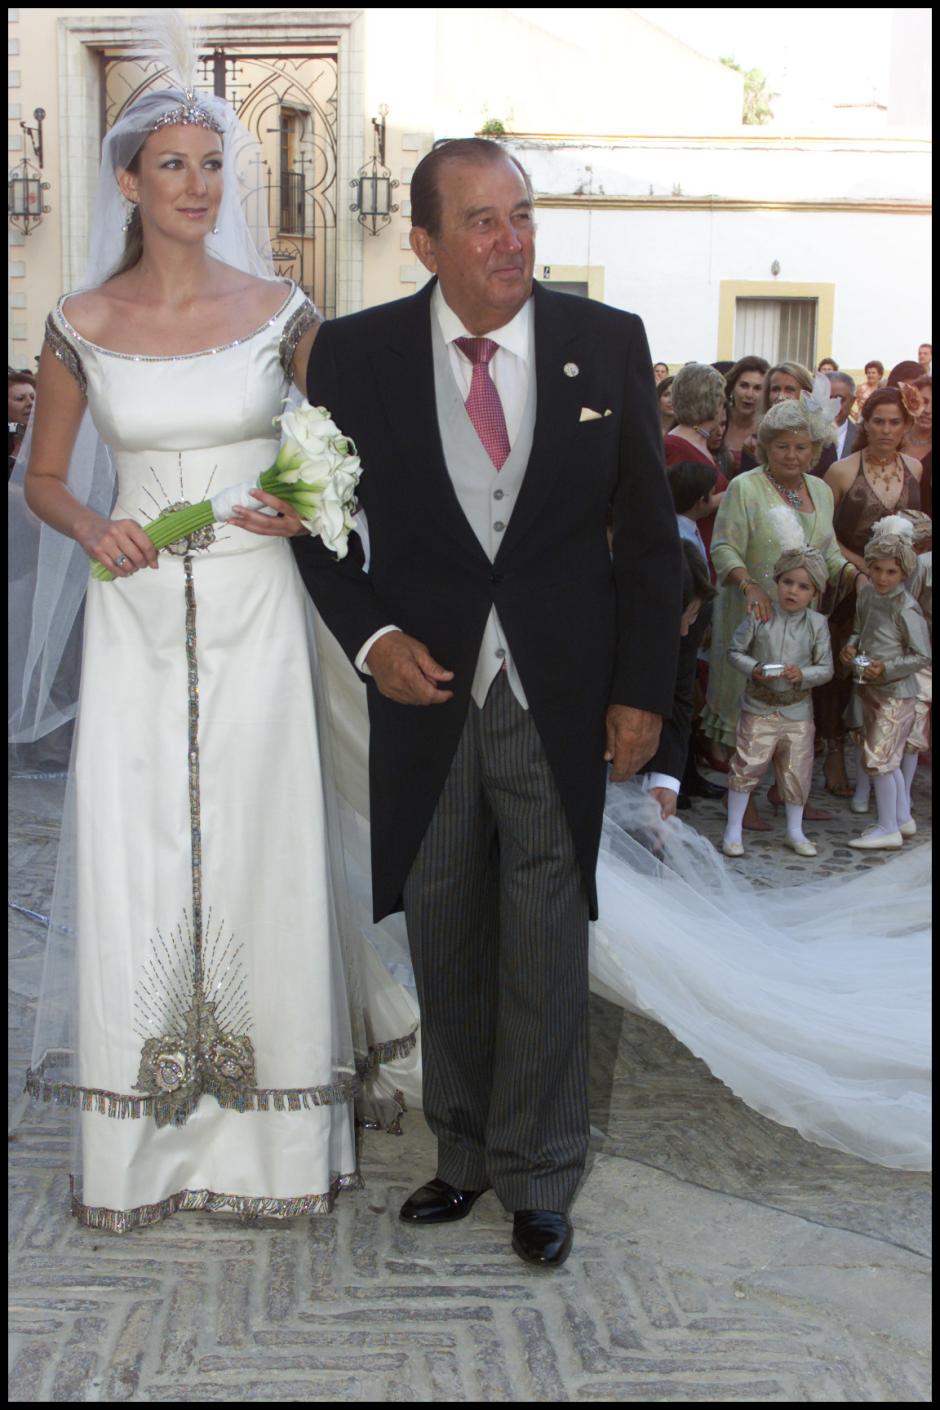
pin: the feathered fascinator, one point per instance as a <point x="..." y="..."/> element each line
<point x="788" y="531"/>
<point x="821" y="409"/>
<point x="893" y="524"/>
<point x="168" y="40"/>
<point x="172" y="41"/>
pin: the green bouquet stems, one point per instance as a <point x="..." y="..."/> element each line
<point x="168" y="529"/>
<point x="325" y="502"/>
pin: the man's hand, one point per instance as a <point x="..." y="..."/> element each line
<point x="632" y="739"/>
<point x="667" y="800"/>
<point x="405" y="671"/>
<point x="793" y="674"/>
<point x="872" y="672"/>
<point x="847" y="655"/>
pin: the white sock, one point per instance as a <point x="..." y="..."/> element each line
<point x="737" y="807"/>
<point x="795" y="822"/>
<point x="903" y="804"/>
<point x="862" y="780"/>
<point x="908" y="769"/>
<point x="886" y="799"/>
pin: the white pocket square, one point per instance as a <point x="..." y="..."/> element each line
<point x="588" y="415"/>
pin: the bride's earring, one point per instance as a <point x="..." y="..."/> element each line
<point x="215" y="230"/>
<point x="129" y="217"/>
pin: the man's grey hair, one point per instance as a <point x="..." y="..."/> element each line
<point x="697" y="393"/>
<point x="842" y="377"/>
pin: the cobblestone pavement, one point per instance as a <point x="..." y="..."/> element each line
<point x="717" y="1257"/>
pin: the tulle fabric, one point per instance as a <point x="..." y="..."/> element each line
<point x="811" y="1002"/>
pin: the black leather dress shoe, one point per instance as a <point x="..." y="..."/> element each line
<point x="541" y="1236"/>
<point x="698" y="787"/>
<point x="437" y="1202"/>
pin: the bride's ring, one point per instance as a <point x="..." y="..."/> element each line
<point x="120" y="560"/>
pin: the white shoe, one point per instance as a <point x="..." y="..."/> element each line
<point x="733" y="849"/>
<point x="908" y="829"/>
<point x="803" y="848"/>
<point x="858" y="807"/>
<point x="872" y="841"/>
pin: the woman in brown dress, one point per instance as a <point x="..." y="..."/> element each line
<point x="875" y="480"/>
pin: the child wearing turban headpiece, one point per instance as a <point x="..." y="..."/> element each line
<point x="890" y="628"/>
<point x="776" y="719"/>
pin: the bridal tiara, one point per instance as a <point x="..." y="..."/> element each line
<point x="190" y="113"/>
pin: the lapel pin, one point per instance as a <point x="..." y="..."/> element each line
<point x="571" y="369"/>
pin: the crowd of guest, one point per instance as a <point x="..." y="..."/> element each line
<point x="21" y="393"/>
<point x="741" y="440"/>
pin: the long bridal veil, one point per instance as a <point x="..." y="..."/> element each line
<point x="809" y="1001"/>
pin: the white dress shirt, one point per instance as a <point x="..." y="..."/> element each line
<point x="510" y="367"/>
<point x="840" y="443"/>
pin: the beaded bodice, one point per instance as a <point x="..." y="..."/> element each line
<point x="182" y="427"/>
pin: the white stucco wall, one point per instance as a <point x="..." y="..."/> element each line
<point x="755" y="168"/>
<point x="668" y="267"/>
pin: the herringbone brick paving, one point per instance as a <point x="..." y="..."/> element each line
<point x="797" y="1275"/>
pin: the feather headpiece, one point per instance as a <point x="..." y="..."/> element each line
<point x="795" y="551"/>
<point x="168" y="39"/>
<point x="786" y="527"/>
<point x="892" y="524"/>
<point x="820" y="401"/>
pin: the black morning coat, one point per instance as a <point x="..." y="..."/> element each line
<point x="585" y="628"/>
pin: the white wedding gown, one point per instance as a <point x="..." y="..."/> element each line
<point x="196" y="897"/>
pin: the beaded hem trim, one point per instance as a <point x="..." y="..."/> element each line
<point x="123" y="1106"/>
<point x="386" y="1052"/>
<point x="66" y="354"/>
<point x="173" y="357"/>
<point x="119" y="1221"/>
<point x="299" y="323"/>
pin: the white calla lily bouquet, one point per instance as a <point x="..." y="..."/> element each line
<point x="316" y="472"/>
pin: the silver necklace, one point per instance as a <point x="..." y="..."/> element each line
<point x="793" y="497"/>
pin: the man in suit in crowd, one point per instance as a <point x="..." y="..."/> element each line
<point x="843" y="387"/>
<point x="509" y="657"/>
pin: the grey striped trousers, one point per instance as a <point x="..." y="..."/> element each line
<point x="497" y="915"/>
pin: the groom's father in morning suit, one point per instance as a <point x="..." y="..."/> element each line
<point x="507" y="654"/>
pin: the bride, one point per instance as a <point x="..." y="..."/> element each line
<point x="197" y="900"/>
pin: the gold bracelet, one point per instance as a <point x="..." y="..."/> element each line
<point x="745" y="583"/>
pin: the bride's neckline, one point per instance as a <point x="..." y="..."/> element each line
<point x="176" y="357"/>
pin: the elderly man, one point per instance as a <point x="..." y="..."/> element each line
<point x="509" y="658"/>
<point x="843" y="387"/>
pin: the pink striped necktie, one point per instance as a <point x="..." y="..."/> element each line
<point x="483" y="404"/>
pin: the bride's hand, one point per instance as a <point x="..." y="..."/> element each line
<point x="287" y="526"/>
<point x="107" y="540"/>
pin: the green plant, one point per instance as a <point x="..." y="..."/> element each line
<point x="493" y="128"/>
<point x="757" y="98"/>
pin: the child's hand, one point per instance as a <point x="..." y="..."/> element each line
<point x="847" y="655"/>
<point x="792" y="674"/>
<point x="758" y="673"/>
<point x="872" y="672"/>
